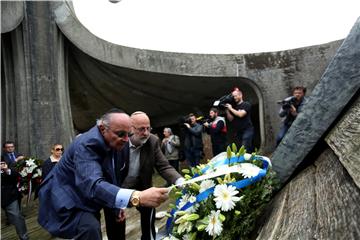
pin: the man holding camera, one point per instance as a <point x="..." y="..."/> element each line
<point x="290" y="108"/>
<point x="239" y="116"/>
<point x="193" y="141"/>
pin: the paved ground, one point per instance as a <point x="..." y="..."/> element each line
<point x="133" y="231"/>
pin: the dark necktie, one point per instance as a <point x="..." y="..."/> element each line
<point x="12" y="157"/>
<point x="119" y="167"/>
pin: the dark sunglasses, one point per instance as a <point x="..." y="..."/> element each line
<point x="59" y="149"/>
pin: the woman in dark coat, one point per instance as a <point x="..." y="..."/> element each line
<point x="56" y="153"/>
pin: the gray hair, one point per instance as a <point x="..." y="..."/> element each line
<point x="168" y="130"/>
<point x="105" y="119"/>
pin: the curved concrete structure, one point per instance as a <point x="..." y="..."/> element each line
<point x="12" y="13"/>
<point x="56" y="77"/>
<point x="92" y="75"/>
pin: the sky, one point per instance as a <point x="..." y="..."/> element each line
<point x="218" y="26"/>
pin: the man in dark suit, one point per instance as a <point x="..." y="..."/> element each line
<point x="73" y="193"/>
<point x="9" y="155"/>
<point x="143" y="153"/>
<point x="10" y="200"/>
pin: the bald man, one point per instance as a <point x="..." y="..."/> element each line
<point x="74" y="192"/>
<point x="142" y="155"/>
<point x="239" y="116"/>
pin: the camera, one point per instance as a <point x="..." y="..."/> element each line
<point x="184" y="119"/>
<point x="224" y="100"/>
<point x="287" y="102"/>
<point x="203" y="120"/>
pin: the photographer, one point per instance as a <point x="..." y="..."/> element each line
<point x="217" y="130"/>
<point x="193" y="141"/>
<point x="290" y="108"/>
<point x="239" y="115"/>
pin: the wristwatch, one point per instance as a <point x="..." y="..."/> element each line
<point x="135" y="199"/>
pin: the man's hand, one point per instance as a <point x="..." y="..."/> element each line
<point x="21" y="157"/>
<point x="121" y="217"/>
<point x="228" y="106"/>
<point x="5" y="168"/>
<point x="293" y="110"/>
<point x="153" y="197"/>
<point x="187" y="125"/>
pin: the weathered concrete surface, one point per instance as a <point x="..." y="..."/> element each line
<point x="265" y="77"/>
<point x="12" y="13"/>
<point x="344" y="140"/>
<point x="338" y="85"/>
<point x="320" y="203"/>
<point x="88" y="75"/>
<point x="36" y="109"/>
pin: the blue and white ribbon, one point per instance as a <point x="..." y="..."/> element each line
<point x="223" y="164"/>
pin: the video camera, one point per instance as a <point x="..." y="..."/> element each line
<point x="224" y="100"/>
<point x="287" y="102"/>
<point x="186" y="119"/>
<point x="203" y="120"/>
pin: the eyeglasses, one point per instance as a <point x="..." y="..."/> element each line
<point x="59" y="149"/>
<point x="121" y="134"/>
<point x="143" y="129"/>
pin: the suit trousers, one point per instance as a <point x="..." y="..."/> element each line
<point x="89" y="227"/>
<point x="116" y="231"/>
<point x="15" y="217"/>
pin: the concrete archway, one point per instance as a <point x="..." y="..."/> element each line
<point x="96" y="86"/>
<point x="51" y="52"/>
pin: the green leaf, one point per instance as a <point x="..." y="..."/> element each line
<point x="192" y="217"/>
<point x="228" y="152"/>
<point x="222" y="217"/>
<point x="234" y="147"/>
<point x="186" y="171"/>
<point x="201" y="227"/>
<point x="187" y="177"/>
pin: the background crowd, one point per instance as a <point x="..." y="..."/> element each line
<point x="110" y="167"/>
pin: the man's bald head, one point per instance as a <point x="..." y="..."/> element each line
<point x="115" y="126"/>
<point x="139" y="117"/>
<point x="140" y="127"/>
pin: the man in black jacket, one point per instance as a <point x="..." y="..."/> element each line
<point x="10" y="200"/>
<point x="290" y="110"/>
<point x="193" y="144"/>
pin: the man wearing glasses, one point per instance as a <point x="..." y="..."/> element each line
<point x="143" y="154"/>
<point x="75" y="191"/>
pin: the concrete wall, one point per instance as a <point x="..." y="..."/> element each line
<point x="44" y="61"/>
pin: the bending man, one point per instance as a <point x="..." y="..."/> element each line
<point x="73" y="193"/>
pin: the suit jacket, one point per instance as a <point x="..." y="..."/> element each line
<point x="77" y="183"/>
<point x="5" y="157"/>
<point x="9" y="190"/>
<point x="151" y="157"/>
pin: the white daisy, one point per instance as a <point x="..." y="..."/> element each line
<point x="225" y="197"/>
<point x="215" y="225"/>
<point x="249" y="170"/>
<point x="192" y="198"/>
<point x="184" y="199"/>
<point x="193" y="208"/>
<point x="205" y="185"/>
